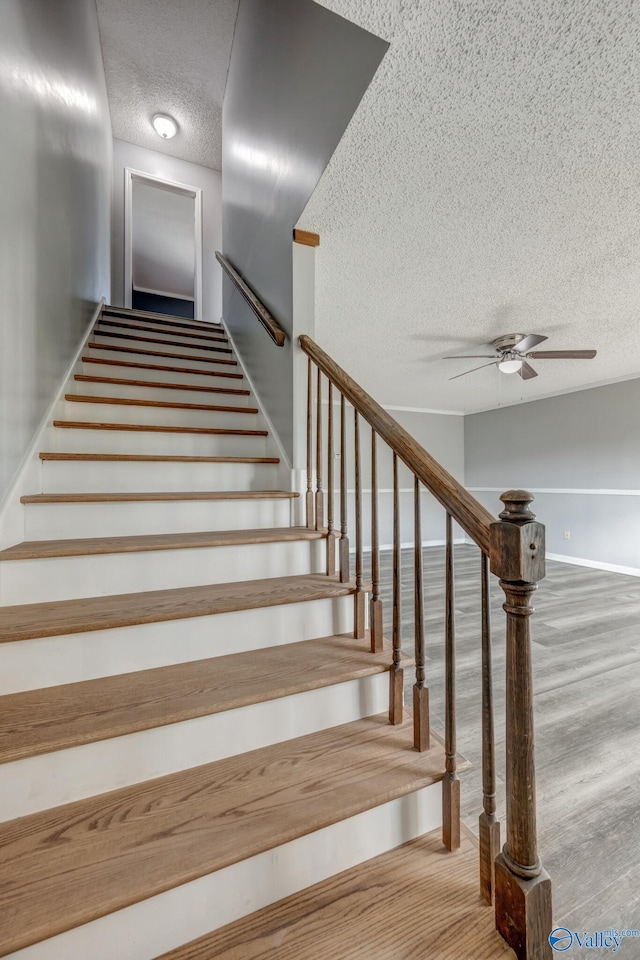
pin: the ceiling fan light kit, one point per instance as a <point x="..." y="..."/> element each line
<point x="512" y="352"/>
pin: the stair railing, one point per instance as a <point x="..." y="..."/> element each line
<point x="511" y="548"/>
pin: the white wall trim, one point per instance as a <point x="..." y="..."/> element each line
<point x="28" y="476"/>
<point x="163" y="293"/>
<point x="578" y="490"/>
<point x="389" y="406"/>
<point x="596" y="564"/>
<point x="196" y="192"/>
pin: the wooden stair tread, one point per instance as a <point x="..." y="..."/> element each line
<point x="417" y="901"/>
<point x="174" y="405"/>
<point x="160" y="353"/>
<point x="71" y="864"/>
<point x="153" y="497"/>
<point x="142" y="543"/>
<point x="152" y="458"/>
<point x="164" y="369"/>
<point x="156" y="428"/>
<point x="86" y="378"/>
<point x="59" y="617"/>
<point x="160" y="328"/>
<point x="57" y="718"/>
<point x="168" y="318"/>
<point x="171" y="343"/>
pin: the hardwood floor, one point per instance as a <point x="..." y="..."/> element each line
<point x="586" y="632"/>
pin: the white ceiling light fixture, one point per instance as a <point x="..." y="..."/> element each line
<point x="164" y="126"/>
<point x="510" y="366"/>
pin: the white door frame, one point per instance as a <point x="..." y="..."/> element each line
<point x="196" y="192"/>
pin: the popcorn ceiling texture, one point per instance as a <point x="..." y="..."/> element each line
<point x="168" y="57"/>
<point x="489" y="183"/>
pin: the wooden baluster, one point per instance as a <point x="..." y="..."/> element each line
<point x="309" y="496"/>
<point x="396" y="674"/>
<point x="331" y="537"/>
<point x="522" y="887"/>
<point x="375" y="604"/>
<point x="319" y="491"/>
<point x="489" y="827"/>
<point x="345" y="573"/>
<point x="450" y="782"/>
<point x="359" y="598"/>
<point x="420" y="691"/>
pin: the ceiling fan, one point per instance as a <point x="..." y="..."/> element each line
<point x="513" y="351"/>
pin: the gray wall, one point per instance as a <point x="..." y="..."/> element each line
<point x="181" y="171"/>
<point x="55" y="171"/>
<point x="297" y="74"/>
<point x="583" y="449"/>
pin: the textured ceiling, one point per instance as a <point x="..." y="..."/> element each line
<point x="489" y="183"/>
<point x="168" y="57"/>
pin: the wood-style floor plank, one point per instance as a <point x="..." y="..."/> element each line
<point x="85" y="378"/>
<point x="154" y="497"/>
<point x="417" y="902"/>
<point x="171" y="404"/>
<point x="71" y="864"/>
<point x="56" y="718"/>
<point x="155" y="428"/>
<point x="113" y="348"/>
<point x="165" y="369"/>
<point x="59" y="617"/>
<point x="142" y="543"/>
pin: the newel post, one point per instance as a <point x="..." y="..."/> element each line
<point x="522" y="887"/>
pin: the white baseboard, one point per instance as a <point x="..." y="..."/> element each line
<point x="596" y="564"/>
<point x="28" y="476"/>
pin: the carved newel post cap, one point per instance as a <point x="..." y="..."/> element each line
<point x="516" y="507"/>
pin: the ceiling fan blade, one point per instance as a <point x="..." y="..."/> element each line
<point x="526" y="371"/>
<point x="481" y="367"/>
<point x="529" y="342"/>
<point x="473" y="356"/>
<point x="563" y="354"/>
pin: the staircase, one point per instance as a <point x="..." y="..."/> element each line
<point x="192" y="743"/>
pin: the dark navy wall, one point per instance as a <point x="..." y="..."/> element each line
<point x="297" y="75"/>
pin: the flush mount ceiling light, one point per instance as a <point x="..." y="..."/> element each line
<point x="164" y="126"/>
<point x="510" y="366"/>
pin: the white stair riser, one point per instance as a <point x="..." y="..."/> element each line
<point x="60" y="521"/>
<point x="143" y="442"/>
<point x="181" y="339"/>
<point x="160" y="393"/>
<point x="147" y="929"/>
<point x="49" y="661"/>
<point x="212" y="364"/>
<point x="162" y="376"/>
<point x="70" y="578"/>
<point x="88" y="476"/>
<point x="38" y="783"/>
<point x="166" y="416"/>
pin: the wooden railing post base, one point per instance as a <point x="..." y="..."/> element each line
<point x="451" y="811"/>
<point x="331" y="554"/>
<point x="523" y="912"/>
<point x="359" y="605"/>
<point x="421" y="732"/>
<point x="345" y="572"/>
<point x="396" y="695"/>
<point x="489" y="843"/>
<point x="375" y="625"/>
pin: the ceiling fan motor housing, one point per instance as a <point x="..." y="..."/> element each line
<point x="509" y="341"/>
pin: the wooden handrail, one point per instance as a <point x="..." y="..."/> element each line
<point x="474" y="519"/>
<point x="268" y="321"/>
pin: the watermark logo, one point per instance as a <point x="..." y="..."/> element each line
<point x="562" y="939"/>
